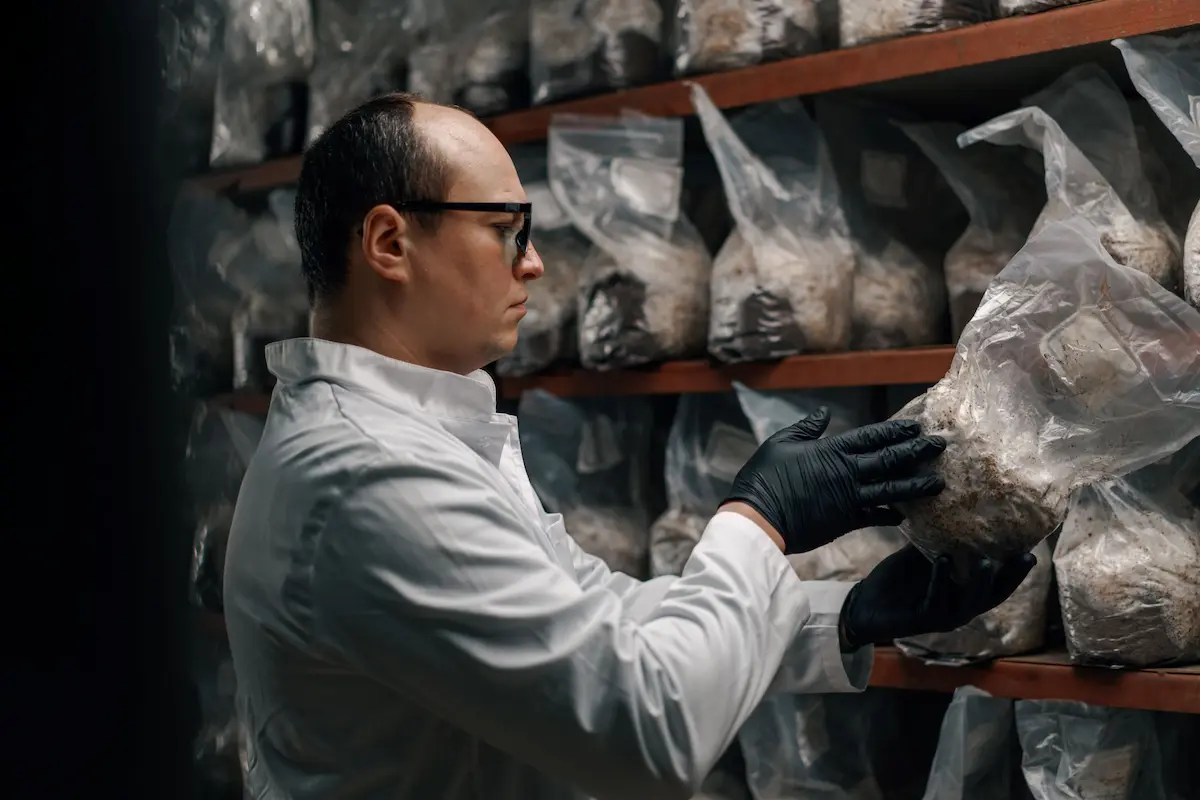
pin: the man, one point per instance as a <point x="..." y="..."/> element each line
<point x="406" y="620"/>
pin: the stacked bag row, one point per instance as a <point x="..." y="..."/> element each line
<point x="255" y="80"/>
<point x="866" y="228"/>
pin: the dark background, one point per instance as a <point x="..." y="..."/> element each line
<point x="95" y="694"/>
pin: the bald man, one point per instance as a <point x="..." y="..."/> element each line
<point x="407" y="621"/>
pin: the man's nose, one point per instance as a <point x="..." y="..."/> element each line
<point x="529" y="266"/>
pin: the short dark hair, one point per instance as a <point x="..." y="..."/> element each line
<point x="373" y="155"/>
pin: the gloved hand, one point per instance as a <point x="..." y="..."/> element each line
<point x="909" y="595"/>
<point x="813" y="490"/>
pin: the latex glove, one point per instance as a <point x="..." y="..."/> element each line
<point x="813" y="490"/>
<point x="909" y="595"/>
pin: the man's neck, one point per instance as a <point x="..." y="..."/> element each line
<point x="334" y="325"/>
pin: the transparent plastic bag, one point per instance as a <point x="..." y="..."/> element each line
<point x="206" y="233"/>
<point x="1166" y="71"/>
<point x="220" y="445"/>
<point x="274" y="303"/>
<point x="1074" y="369"/>
<point x="1003" y="197"/>
<point x="218" y="743"/>
<point x="474" y="54"/>
<point x="548" y="332"/>
<point x="361" y="47"/>
<point x="643" y="295"/>
<point x="1128" y="567"/>
<point x="865" y="21"/>
<point x="811" y="746"/>
<point x="974" y="751"/>
<point x="260" y="106"/>
<point x="901" y="213"/>
<point x="1076" y="751"/>
<point x="1013" y="8"/>
<point x="1016" y="626"/>
<point x="711" y="438"/>
<point x="783" y="282"/>
<point x="588" y="460"/>
<point x="715" y="35"/>
<point x="1094" y="169"/>
<point x="585" y="46"/>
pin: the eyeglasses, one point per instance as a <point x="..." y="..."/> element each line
<point x="522" y="237"/>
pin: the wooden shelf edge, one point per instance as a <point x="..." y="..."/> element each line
<point x="864" y="368"/>
<point x="1047" y="676"/>
<point x="1059" y="29"/>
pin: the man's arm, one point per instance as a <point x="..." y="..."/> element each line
<point x="428" y="580"/>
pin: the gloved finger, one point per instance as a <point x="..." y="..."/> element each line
<point x="882" y="516"/>
<point x="810" y="427"/>
<point x="870" y="438"/>
<point x="1009" y="577"/>
<point x="885" y="493"/>
<point x="899" y="459"/>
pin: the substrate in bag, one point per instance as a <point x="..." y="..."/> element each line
<point x="974" y="754"/>
<point x="587" y="460"/>
<point x="643" y="293"/>
<point x="1128" y="567"/>
<point x="865" y="21"/>
<point x="1073" y="369"/>
<point x="713" y="35"/>
<point x="782" y="283"/>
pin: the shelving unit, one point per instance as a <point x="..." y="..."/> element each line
<point x="1047" y="676"/>
<point x="999" y="47"/>
<point x="1091" y="23"/>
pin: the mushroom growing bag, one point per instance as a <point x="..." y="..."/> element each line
<point x="1166" y="71"/>
<point x="643" y="294"/>
<point x="1003" y="197"/>
<point x="715" y="35"/>
<point x="783" y="282"/>
<point x="1073" y="370"/>
<point x="1094" y="168"/>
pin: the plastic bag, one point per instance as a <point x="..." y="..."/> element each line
<point x="585" y="46"/>
<point x="1083" y="128"/>
<point x="1013" y="8"/>
<point x="1018" y="625"/>
<point x="811" y="746"/>
<point x="865" y="21"/>
<point x="1074" y="369"/>
<point x="260" y="107"/>
<point x="219" y="447"/>
<point x="548" y="332"/>
<point x="1003" y="197"/>
<point x="218" y="742"/>
<point x="974" y="752"/>
<point x="643" y="295"/>
<point x="783" y="282"/>
<point x="1076" y="751"/>
<point x="1128" y="566"/>
<point x="711" y="437"/>
<point x="274" y="303"/>
<point x="475" y="54"/>
<point x="901" y="215"/>
<point x="588" y="460"/>
<point x="1166" y="71"/>
<point x="361" y="49"/>
<point x="715" y="35"/>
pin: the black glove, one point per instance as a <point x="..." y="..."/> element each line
<point x="813" y="490"/>
<point x="909" y="595"/>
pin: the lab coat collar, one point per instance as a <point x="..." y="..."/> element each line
<point x="443" y="394"/>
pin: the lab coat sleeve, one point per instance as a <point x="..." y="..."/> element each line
<point x="814" y="663"/>
<point x="429" y="580"/>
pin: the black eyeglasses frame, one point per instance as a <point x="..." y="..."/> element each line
<point x="435" y="206"/>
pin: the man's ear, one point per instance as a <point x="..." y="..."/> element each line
<point x="385" y="243"/>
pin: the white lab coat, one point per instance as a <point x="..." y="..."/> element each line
<point x="406" y="621"/>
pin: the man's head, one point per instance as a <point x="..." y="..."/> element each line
<point x="441" y="288"/>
